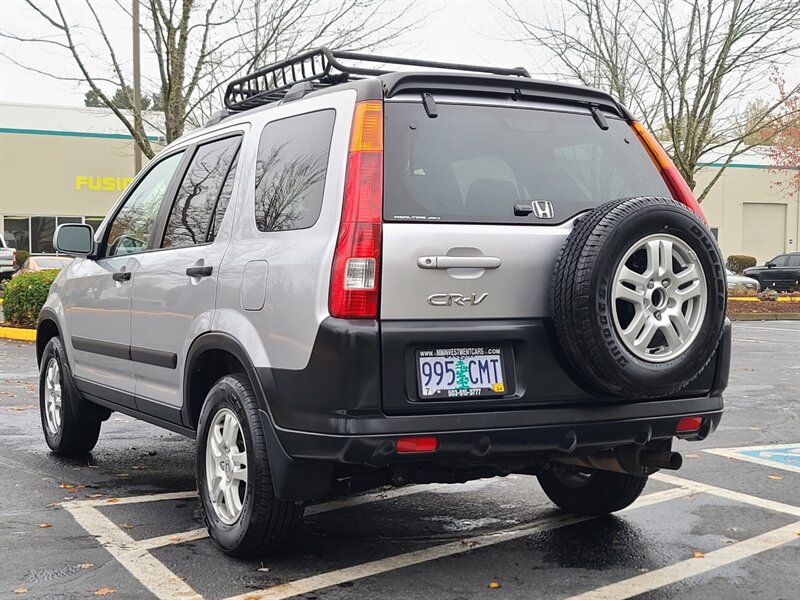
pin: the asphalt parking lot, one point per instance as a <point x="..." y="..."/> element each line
<point x="123" y="522"/>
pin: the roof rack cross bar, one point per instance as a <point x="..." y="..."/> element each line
<point x="317" y="66"/>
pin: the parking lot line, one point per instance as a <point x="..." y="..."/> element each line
<point x="314" y="509"/>
<point x="392" y="563"/>
<point x="696" y="486"/>
<point x="134" y="499"/>
<point x="693" y="566"/>
<point x="145" y="567"/>
<point x="779" y="450"/>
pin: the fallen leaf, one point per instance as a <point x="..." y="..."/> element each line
<point x="494" y="585"/>
<point x="691" y="456"/>
<point x="112" y="500"/>
<point x="138" y="467"/>
<point x="264" y="569"/>
<point x="698" y="554"/>
<point x="95" y="495"/>
<point x="251" y="597"/>
<point x="20" y="590"/>
<point x="127" y="526"/>
<point x="774" y="477"/>
<point x="44" y="525"/>
<point x="54" y="505"/>
<point x="615" y="541"/>
<point x="104" y="591"/>
<point x="85" y="565"/>
<point x="175" y="538"/>
<point x="65" y="486"/>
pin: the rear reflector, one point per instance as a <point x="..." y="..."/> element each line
<point x="355" y="275"/>
<point x="417" y="444"/>
<point x="675" y="183"/>
<point x="689" y="424"/>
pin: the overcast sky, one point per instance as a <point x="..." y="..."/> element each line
<point x="456" y="30"/>
<point x="459" y="31"/>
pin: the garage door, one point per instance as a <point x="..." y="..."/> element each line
<point x="764" y="230"/>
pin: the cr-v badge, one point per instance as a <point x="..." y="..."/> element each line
<point x="542" y="209"/>
<point x="457" y="299"/>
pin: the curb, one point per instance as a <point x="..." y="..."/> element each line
<point x="754" y="299"/>
<point x="765" y="317"/>
<point x="17" y="333"/>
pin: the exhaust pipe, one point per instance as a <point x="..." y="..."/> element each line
<point x="628" y="460"/>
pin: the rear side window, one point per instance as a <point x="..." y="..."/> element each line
<point x="290" y="172"/>
<point x="472" y="164"/>
<point x="191" y="216"/>
<point x="794" y="260"/>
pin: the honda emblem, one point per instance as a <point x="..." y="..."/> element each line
<point x="542" y="209"/>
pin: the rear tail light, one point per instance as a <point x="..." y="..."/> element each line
<point x="407" y="445"/>
<point x="355" y="276"/>
<point x="687" y="424"/>
<point x="675" y="183"/>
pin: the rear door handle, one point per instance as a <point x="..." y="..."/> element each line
<point x="458" y="262"/>
<point x="121" y="276"/>
<point x="199" y="271"/>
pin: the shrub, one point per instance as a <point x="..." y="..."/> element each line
<point x="739" y="262"/>
<point x="22" y="256"/>
<point x="24" y="296"/>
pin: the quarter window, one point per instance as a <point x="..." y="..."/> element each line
<point x="794" y="260"/>
<point x="191" y="215"/>
<point x="132" y="226"/>
<point x="290" y="172"/>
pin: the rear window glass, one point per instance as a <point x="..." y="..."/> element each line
<point x="474" y="163"/>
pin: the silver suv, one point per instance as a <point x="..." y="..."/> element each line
<point x="357" y="277"/>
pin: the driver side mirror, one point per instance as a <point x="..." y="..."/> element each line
<point x="75" y="239"/>
<point x="769" y="264"/>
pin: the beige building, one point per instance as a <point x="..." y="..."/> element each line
<point x="64" y="164"/>
<point x="58" y="165"/>
<point x="749" y="213"/>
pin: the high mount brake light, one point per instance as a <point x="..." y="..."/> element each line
<point x="355" y="276"/>
<point x="677" y="186"/>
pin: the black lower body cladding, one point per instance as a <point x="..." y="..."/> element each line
<point x="639" y="297"/>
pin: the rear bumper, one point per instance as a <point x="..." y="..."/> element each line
<point x="350" y="404"/>
<point x="554" y="431"/>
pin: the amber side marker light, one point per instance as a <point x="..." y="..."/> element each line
<point x="688" y="424"/>
<point x="406" y="445"/>
<point x="675" y="183"/>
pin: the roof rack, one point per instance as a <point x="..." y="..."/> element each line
<point x="321" y="68"/>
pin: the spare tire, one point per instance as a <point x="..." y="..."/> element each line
<point x="638" y="297"/>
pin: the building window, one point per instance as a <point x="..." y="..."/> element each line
<point x="715" y="233"/>
<point x="33" y="234"/>
<point x="95" y="222"/>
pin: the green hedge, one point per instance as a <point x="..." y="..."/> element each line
<point x="739" y="262"/>
<point x="24" y="296"/>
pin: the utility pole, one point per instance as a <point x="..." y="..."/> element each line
<point x="137" y="88"/>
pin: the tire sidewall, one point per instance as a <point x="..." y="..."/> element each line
<point x="226" y="395"/>
<point x="54" y="350"/>
<point x="673" y="219"/>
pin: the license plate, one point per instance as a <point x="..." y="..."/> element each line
<point x="460" y="372"/>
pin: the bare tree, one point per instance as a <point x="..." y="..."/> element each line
<point x="193" y="46"/>
<point x="686" y="67"/>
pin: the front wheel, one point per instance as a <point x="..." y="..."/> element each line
<point x="67" y="430"/>
<point x="586" y="491"/>
<point x="241" y="511"/>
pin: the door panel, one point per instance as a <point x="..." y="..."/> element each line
<point x="174" y="294"/>
<point x="99" y="322"/>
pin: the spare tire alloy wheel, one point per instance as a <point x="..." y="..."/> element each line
<point x="659" y="297"/>
<point x="638" y="297"/>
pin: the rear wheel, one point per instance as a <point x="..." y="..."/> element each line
<point x="585" y="491"/>
<point x="65" y="430"/>
<point x="241" y="511"/>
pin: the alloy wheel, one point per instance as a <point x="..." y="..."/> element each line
<point x="226" y="466"/>
<point x="52" y="396"/>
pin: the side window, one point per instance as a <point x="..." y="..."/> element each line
<point x="132" y="226"/>
<point x="780" y="261"/>
<point x="794" y="260"/>
<point x="191" y="215"/>
<point x="224" y="198"/>
<point x="290" y="171"/>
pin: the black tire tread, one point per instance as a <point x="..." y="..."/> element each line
<point x="605" y="493"/>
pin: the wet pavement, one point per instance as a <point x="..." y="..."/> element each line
<point x="125" y="519"/>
